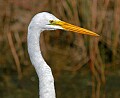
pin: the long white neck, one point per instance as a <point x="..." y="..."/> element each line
<point x="46" y="80"/>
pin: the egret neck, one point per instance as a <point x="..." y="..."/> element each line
<point x="46" y="84"/>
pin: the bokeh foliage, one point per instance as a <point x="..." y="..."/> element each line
<point x="79" y="62"/>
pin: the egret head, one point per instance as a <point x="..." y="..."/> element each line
<point x="47" y="21"/>
<point x="44" y="21"/>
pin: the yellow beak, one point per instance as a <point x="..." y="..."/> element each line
<point x="73" y="28"/>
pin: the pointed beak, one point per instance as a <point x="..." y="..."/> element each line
<point x="73" y="28"/>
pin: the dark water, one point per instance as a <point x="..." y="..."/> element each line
<point x="67" y="86"/>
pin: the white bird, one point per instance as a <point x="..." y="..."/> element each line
<point x="40" y="22"/>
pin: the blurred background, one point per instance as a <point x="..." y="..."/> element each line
<point x="83" y="66"/>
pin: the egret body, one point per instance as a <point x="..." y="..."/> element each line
<point x="40" y="22"/>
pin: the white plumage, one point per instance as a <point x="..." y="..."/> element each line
<point x="40" y="22"/>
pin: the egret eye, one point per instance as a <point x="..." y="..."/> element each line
<point x="51" y="21"/>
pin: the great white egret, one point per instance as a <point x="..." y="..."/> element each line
<point x="40" y="22"/>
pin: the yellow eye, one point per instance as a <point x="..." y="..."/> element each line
<point x="51" y="21"/>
